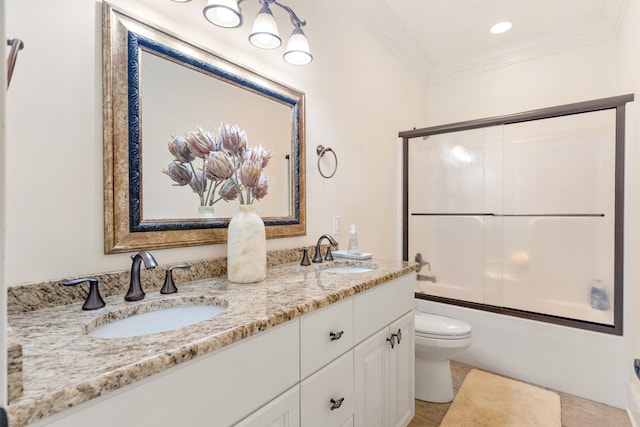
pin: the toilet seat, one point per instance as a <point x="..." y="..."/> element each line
<point x="440" y="327"/>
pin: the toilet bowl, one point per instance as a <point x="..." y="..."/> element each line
<point x="438" y="340"/>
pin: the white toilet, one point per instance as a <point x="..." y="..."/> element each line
<point x="438" y="340"/>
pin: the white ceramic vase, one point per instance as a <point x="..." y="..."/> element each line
<point x="246" y="247"/>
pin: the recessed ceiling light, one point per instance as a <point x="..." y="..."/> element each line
<point x="501" y="27"/>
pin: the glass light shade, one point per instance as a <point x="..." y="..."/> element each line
<point x="297" y="52"/>
<point x="500" y="27"/>
<point x="265" y="31"/>
<point x="223" y="13"/>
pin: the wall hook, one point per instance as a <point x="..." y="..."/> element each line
<point x="321" y="150"/>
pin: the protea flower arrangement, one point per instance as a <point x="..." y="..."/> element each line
<point x="230" y="168"/>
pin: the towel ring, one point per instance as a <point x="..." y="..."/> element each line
<point x="321" y="152"/>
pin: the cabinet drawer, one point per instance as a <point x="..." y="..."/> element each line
<point x="325" y="335"/>
<point x="377" y="307"/>
<point x="323" y="390"/>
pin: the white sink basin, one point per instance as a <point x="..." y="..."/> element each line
<point x="349" y="269"/>
<point x="160" y="320"/>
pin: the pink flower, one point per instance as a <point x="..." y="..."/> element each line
<point x="180" y="150"/>
<point x="261" y="189"/>
<point x="250" y="173"/>
<point x="219" y="166"/>
<point x="232" y="138"/>
<point x="198" y="184"/>
<point x="200" y="143"/>
<point x="264" y="155"/>
<point x="178" y="173"/>
<point x="228" y="191"/>
<point x="230" y="168"/>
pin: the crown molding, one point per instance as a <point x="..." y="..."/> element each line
<point x="382" y="22"/>
<point x="545" y="46"/>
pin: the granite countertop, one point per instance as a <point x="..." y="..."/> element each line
<point x="63" y="366"/>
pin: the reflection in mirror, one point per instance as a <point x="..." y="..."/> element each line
<point x="156" y="86"/>
<point x="194" y="100"/>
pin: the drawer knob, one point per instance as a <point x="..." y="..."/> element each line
<point x="336" y="403"/>
<point x="334" y="336"/>
<point x="392" y="340"/>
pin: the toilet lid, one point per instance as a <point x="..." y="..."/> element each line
<point x="433" y="324"/>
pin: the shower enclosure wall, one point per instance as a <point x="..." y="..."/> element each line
<point x="521" y="214"/>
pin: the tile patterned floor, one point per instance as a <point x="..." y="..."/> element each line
<point x="576" y="411"/>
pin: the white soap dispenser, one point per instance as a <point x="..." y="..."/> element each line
<point x="353" y="241"/>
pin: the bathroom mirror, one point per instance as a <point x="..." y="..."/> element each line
<point x="156" y="86"/>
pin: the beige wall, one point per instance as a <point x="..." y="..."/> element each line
<point x="358" y="97"/>
<point x="581" y="74"/>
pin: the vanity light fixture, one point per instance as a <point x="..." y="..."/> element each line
<point x="265" y="30"/>
<point x="264" y="33"/>
<point x="223" y="13"/>
<point x="500" y="27"/>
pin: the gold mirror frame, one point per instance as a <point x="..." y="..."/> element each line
<point x="124" y="229"/>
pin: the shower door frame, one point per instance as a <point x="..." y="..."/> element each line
<point x="618" y="103"/>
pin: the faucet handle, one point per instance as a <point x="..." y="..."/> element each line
<point x="94" y="300"/>
<point x="329" y="255"/>
<point x="305" y="256"/>
<point x="418" y="258"/>
<point x="169" y="286"/>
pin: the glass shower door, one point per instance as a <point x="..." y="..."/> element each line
<point x="558" y="216"/>
<point x="518" y="216"/>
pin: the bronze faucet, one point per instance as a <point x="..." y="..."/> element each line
<point x="317" y="257"/>
<point x="135" y="292"/>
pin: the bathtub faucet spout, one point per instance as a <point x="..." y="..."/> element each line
<point x="425" y="278"/>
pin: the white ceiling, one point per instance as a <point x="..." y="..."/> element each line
<point x="442" y="37"/>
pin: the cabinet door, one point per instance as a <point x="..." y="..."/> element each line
<point x="371" y="375"/>
<point x="378" y="307"/>
<point x="327" y="397"/>
<point x="401" y="372"/>
<point x="283" y="411"/>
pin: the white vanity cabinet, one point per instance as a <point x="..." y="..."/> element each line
<point x="372" y="380"/>
<point x="214" y="390"/>
<point x="384" y="376"/>
<point x="329" y="368"/>
<point x="384" y="356"/>
<point x="350" y="375"/>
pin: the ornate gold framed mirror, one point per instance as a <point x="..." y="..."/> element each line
<point x="155" y="86"/>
